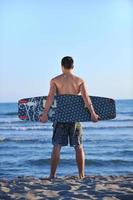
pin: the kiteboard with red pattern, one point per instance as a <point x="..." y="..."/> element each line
<point x="66" y="108"/>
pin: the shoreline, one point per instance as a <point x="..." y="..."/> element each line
<point x="68" y="187"/>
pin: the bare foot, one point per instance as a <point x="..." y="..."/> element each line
<point x="51" y="177"/>
<point x="81" y="176"/>
<point x="48" y="178"/>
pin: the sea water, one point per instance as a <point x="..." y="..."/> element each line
<point x="25" y="147"/>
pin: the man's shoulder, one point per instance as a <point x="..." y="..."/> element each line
<point x="59" y="77"/>
<point x="78" y="78"/>
<point x="56" y="78"/>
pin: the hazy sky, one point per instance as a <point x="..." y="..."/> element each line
<point x="36" y="34"/>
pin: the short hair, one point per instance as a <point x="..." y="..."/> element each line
<point x="67" y="62"/>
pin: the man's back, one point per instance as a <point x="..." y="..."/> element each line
<point x="67" y="83"/>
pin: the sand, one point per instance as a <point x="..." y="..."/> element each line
<point x="65" y="188"/>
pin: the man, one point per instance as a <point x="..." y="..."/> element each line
<point x="67" y="83"/>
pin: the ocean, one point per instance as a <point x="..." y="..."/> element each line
<point x="25" y="147"/>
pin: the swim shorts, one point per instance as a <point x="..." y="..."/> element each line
<point x="67" y="133"/>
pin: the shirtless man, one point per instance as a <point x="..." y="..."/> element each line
<point x="67" y="83"/>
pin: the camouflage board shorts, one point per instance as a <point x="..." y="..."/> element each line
<point x="67" y="133"/>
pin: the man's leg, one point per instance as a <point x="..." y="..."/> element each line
<point x="55" y="156"/>
<point x="80" y="158"/>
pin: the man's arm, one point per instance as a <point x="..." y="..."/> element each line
<point x="88" y="103"/>
<point x="49" y="101"/>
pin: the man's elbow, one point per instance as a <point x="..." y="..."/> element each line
<point x="50" y="97"/>
<point x="84" y="95"/>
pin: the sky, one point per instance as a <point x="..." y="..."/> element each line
<point x="36" y="34"/>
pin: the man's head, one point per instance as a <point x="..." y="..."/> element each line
<point x="67" y="62"/>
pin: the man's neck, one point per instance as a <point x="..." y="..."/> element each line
<point x="67" y="72"/>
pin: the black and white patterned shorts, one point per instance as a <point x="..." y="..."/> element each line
<point x="67" y="133"/>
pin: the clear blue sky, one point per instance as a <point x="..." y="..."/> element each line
<point x="36" y="34"/>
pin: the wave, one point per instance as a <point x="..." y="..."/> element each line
<point x="109" y="127"/>
<point x="23" y="140"/>
<point x="50" y="129"/>
<point x="23" y="128"/>
<point x="126" y="153"/>
<point x="123" y="120"/>
<point x="125" y="113"/>
<point x="11" y="121"/>
<point x="9" y="113"/>
<point x="95" y="162"/>
<point x="42" y="128"/>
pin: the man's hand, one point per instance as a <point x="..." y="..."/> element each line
<point x="43" y="118"/>
<point x="94" y="117"/>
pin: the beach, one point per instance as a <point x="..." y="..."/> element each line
<point x="91" y="187"/>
